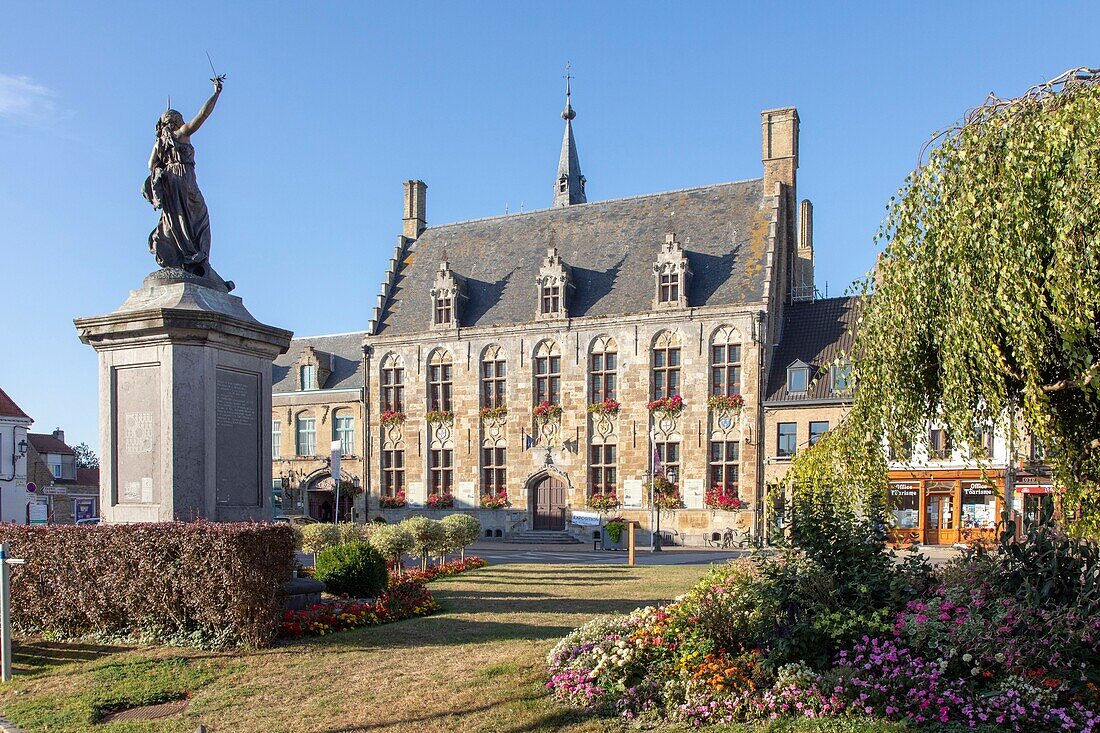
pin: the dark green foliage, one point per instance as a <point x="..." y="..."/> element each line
<point x="355" y="569"/>
<point x="196" y="583"/>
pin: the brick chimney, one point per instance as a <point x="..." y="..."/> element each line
<point x="59" y="434"/>
<point x="415" y="208"/>
<point x="779" y="144"/>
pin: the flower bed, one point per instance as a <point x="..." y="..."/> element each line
<point x="718" y="497"/>
<point x="451" y="567"/>
<point x="667" y="406"/>
<point x="396" y="501"/>
<point x="972" y="645"/>
<point x="495" y="501"/>
<point x="441" y="501"/>
<point x="404" y="599"/>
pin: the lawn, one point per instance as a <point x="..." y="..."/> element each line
<point x="477" y="666"/>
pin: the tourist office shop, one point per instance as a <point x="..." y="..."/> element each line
<point x="945" y="509"/>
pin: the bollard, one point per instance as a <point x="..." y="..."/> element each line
<point x="630" y="544"/>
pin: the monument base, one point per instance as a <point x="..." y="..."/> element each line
<point x="184" y="403"/>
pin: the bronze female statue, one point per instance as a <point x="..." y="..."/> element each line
<point x="182" y="239"/>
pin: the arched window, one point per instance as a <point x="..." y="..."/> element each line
<point x="547" y="373"/>
<point x="494" y="373"/>
<point x="440" y="372"/>
<point x="343" y="430"/>
<point x="725" y="362"/>
<point x="602" y="369"/>
<point x="393" y="383"/>
<point x="666" y="365"/>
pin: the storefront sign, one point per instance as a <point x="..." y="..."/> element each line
<point x="83" y="508"/>
<point x="585" y="519"/>
<point x="977" y="490"/>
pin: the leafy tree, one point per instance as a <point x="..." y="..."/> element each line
<point x="461" y="530"/>
<point x="85" y="457"/>
<point x="986" y="300"/>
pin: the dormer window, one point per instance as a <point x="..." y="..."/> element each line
<point x="308" y="375"/>
<point x="798" y="377"/>
<point x="842" y="378"/>
<point x="444" y="310"/>
<point x="551" y="299"/>
<point x="446" y="292"/>
<point x="553" y="288"/>
<point x="673" y="275"/>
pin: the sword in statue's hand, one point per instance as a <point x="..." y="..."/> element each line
<point x="217" y="78"/>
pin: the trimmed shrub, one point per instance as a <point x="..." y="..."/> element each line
<point x="355" y="569"/>
<point x="459" y="531"/>
<point x="195" y="583"/>
<point x="392" y="540"/>
<point x="351" y="532"/>
<point x="429" y="536"/>
<point x="318" y="537"/>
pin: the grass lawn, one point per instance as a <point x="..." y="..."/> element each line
<point x="477" y="666"/>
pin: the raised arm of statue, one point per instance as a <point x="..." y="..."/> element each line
<point x="189" y="128"/>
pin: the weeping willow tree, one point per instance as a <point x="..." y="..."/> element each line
<point x="983" y="306"/>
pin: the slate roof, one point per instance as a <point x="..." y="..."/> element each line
<point x="347" y="368"/>
<point x="815" y="332"/>
<point x="45" y="443"/>
<point x="8" y="408"/>
<point x="610" y="245"/>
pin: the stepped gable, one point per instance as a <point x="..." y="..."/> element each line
<point x="347" y="361"/>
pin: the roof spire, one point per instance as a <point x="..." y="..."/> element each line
<point x="569" y="187"/>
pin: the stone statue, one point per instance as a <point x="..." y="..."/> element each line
<point x="182" y="239"/>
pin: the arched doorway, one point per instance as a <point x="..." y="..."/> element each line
<point x="322" y="500"/>
<point x="547" y="494"/>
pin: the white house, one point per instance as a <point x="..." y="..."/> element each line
<point x="14" y="497"/>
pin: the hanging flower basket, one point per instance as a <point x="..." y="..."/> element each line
<point x="666" y="495"/>
<point x="723" y="499"/>
<point x="494" y="413"/>
<point x="391" y="418"/>
<point x="726" y="403"/>
<point x="440" y="417"/>
<point x="606" y="408"/>
<point x="441" y="501"/>
<point x="604" y="502"/>
<point x="547" y="412"/>
<point x="495" y="501"/>
<point x="667" y="406"/>
<point x="397" y="501"/>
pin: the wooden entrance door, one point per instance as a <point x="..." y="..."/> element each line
<point x="940" y="521"/>
<point x="548" y="498"/>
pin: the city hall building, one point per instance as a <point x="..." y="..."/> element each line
<point x="492" y="338"/>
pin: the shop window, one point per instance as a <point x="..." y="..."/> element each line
<point x="787" y="439"/>
<point x="979" y="506"/>
<point x="905" y="505"/>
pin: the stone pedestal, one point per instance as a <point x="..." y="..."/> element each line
<point x="184" y="403"/>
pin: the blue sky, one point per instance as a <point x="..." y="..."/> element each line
<point x="329" y="107"/>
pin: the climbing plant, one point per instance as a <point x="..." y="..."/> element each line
<point x="984" y="303"/>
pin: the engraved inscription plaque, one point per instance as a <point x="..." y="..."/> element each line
<point x="237" y="407"/>
<point x="137" y="424"/>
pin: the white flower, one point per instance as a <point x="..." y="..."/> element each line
<point x="968" y="658"/>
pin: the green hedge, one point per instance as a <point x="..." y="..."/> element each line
<point x="197" y="583"/>
<point x="355" y="568"/>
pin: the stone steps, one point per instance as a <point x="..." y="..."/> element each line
<point x="543" y="537"/>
